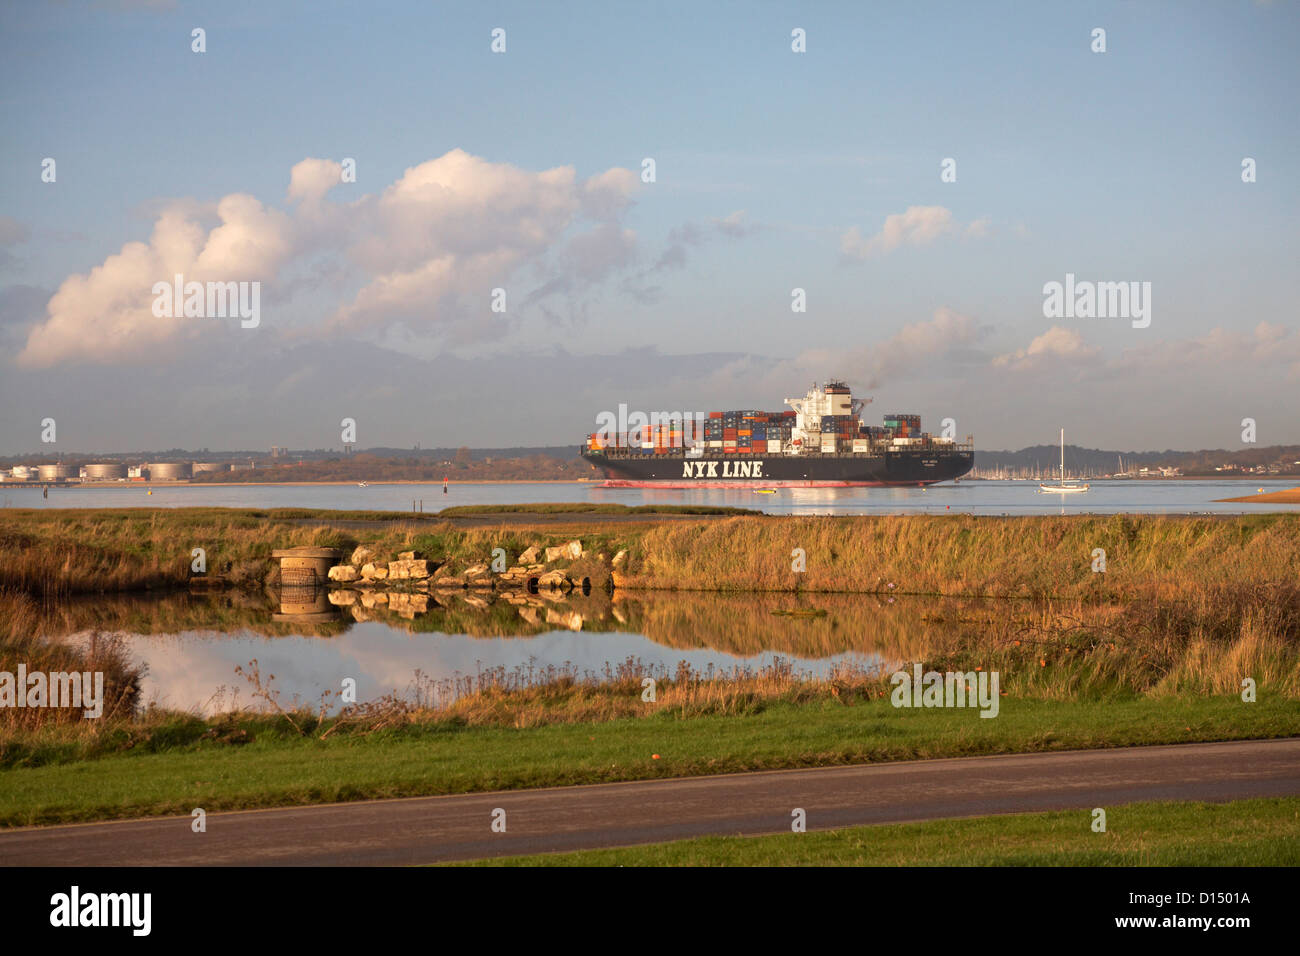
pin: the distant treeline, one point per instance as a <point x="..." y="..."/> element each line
<point x="561" y="462"/>
<point x="462" y="466"/>
<point x="1098" y="461"/>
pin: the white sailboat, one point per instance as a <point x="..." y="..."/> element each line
<point x="1062" y="488"/>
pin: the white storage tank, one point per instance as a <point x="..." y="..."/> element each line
<point x="169" y="470"/>
<point x="105" y="471"/>
<point x="54" y="472"/>
<point x="208" y="466"/>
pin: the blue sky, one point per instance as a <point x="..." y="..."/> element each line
<point x="1123" y="165"/>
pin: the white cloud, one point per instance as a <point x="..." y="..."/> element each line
<point x="427" y="250"/>
<point x="1057" y="343"/>
<point x="915" y="344"/>
<point x="106" y="316"/>
<point x="1267" y="344"/>
<point x="918" y="226"/>
<point x="311" y="179"/>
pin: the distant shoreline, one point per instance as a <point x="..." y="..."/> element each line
<point x="1289" y="496"/>
<point x="597" y="482"/>
<point x="103" y="485"/>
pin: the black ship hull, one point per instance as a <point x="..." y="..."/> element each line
<point x="903" y="467"/>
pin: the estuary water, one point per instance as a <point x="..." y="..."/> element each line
<point x="191" y="644"/>
<point x="966" y="497"/>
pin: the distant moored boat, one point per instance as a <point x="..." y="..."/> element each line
<point x="1062" y="488"/>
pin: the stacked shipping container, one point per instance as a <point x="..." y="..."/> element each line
<point x="750" y="431"/>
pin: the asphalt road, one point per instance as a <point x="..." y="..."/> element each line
<point x="431" y="829"/>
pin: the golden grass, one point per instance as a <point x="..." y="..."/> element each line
<point x="22" y="642"/>
<point x="1037" y="556"/>
<point x="1040" y="556"/>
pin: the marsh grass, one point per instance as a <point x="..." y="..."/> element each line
<point x="70" y="551"/>
<point x="67" y="551"/>
<point x="22" y="642"/>
<point x="1038" y="556"/>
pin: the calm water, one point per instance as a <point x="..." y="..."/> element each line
<point x="974" y="497"/>
<point x="191" y="644"/>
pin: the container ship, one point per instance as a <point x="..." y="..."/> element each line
<point x="819" y="442"/>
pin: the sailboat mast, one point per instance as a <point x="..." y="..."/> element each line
<point x="1062" y="456"/>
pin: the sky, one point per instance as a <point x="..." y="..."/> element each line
<point x="503" y="267"/>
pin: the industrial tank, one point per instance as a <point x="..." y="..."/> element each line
<point x="105" y="471"/>
<point x="169" y="471"/>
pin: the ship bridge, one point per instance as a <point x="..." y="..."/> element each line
<point x="833" y="399"/>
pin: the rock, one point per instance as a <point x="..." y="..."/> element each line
<point x="554" y="579"/>
<point x="408" y="556"/>
<point x="530" y="556"/>
<point x="371" y="599"/>
<point x="572" y="551"/>
<point x="530" y="615"/>
<point x="449" y="581"/>
<point x="343" y="598"/>
<point x="343" y="572"/>
<point x="359" y="613"/>
<point x="478" y="576"/>
<point x="620" y="559"/>
<point x="362" y="555"/>
<point x="374" y="572"/>
<point x="477" y="602"/>
<point x="569" y="619"/>
<point x="408" y="569"/>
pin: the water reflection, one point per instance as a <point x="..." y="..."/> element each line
<point x="191" y="643"/>
<point x="306" y="604"/>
